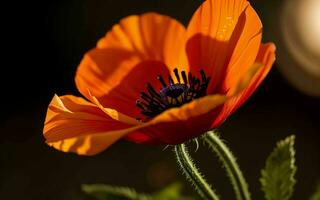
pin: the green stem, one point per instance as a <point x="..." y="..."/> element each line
<point x="192" y="173"/>
<point x="229" y="161"/>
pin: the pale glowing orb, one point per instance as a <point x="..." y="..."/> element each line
<point x="308" y="17"/>
<point x="300" y="47"/>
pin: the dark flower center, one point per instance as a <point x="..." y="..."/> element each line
<point x="172" y="94"/>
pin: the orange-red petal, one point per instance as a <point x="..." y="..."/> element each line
<point x="266" y="57"/>
<point x="136" y="137"/>
<point x="103" y="69"/>
<point x="73" y="124"/>
<point x="221" y="35"/>
<point x="153" y="36"/>
<point x="85" y="145"/>
<point x="177" y="125"/>
<point x="123" y="96"/>
<point x="149" y="37"/>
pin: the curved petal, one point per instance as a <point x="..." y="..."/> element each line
<point x="114" y="114"/>
<point x="102" y="69"/>
<point x="153" y="36"/>
<point x="149" y="37"/>
<point x="123" y="96"/>
<point x="136" y="137"/>
<point x="223" y="39"/>
<point x="85" y="145"/>
<point x="73" y="124"/>
<point x="95" y="143"/>
<point x="266" y="56"/>
<point x="188" y="121"/>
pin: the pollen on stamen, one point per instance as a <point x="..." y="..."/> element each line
<point x="173" y="94"/>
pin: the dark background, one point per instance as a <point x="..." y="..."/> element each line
<point x="43" y="44"/>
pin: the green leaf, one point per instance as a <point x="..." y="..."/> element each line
<point x="278" y="175"/>
<point x="316" y="195"/>
<point x="107" y="192"/>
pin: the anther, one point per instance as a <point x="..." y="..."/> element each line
<point x="176" y="73"/>
<point x="196" y="84"/>
<point x="151" y="91"/>
<point x="184" y="77"/>
<point x="138" y="104"/>
<point x="203" y="76"/>
<point x="159" y="77"/>
<point x="145" y="97"/>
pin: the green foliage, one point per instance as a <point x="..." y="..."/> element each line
<point x="316" y="195"/>
<point x="278" y="175"/>
<point x="107" y="192"/>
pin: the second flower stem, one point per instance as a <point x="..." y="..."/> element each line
<point x="192" y="173"/>
<point x="228" y="160"/>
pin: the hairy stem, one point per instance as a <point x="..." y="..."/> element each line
<point x="192" y="173"/>
<point x="229" y="161"/>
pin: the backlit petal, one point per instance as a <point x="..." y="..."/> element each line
<point x="136" y="137"/>
<point x="266" y="57"/>
<point x="123" y="97"/>
<point x="114" y="114"/>
<point x="177" y="125"/>
<point x="103" y="69"/>
<point x="223" y="39"/>
<point x="73" y="123"/>
<point x="149" y="37"/>
<point x="87" y="144"/>
<point x="153" y="36"/>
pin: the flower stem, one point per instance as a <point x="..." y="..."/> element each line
<point x="229" y="161"/>
<point x="192" y="173"/>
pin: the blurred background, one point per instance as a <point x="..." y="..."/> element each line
<point x="43" y="44"/>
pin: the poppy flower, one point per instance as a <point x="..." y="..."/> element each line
<point x="151" y="80"/>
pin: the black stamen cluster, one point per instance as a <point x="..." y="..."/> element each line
<point x="173" y="94"/>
